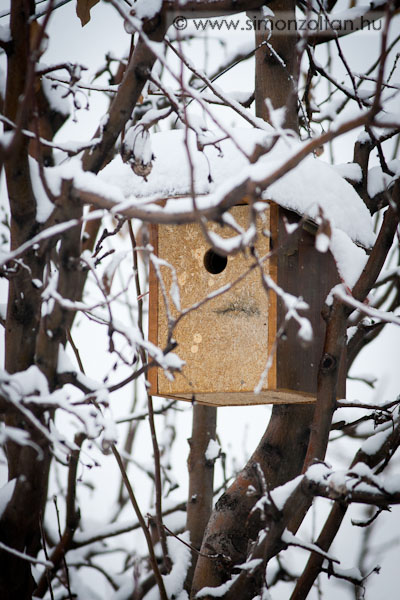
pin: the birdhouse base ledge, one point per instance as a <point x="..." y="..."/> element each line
<point x="246" y="398"/>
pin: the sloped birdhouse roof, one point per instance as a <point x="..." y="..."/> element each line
<point x="311" y="187"/>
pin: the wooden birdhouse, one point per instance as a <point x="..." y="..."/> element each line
<point x="238" y="340"/>
<point x="242" y="340"/>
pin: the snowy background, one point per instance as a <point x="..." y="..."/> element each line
<point x="239" y="429"/>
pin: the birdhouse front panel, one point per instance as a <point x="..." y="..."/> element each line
<point x="228" y="340"/>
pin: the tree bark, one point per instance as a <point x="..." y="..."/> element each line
<point x="280" y="456"/>
<point x="201" y="479"/>
<point x="19" y="524"/>
<point x="277" y="67"/>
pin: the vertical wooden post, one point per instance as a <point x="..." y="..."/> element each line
<point x="201" y="479"/>
<point x="276" y="66"/>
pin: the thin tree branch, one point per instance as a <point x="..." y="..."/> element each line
<point x="153" y="559"/>
<point x="158" y="486"/>
<point x="71" y="521"/>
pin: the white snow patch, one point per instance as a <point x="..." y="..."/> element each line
<point x="364" y="138"/>
<point x="217" y="592"/>
<point x="363" y="470"/>
<point x="351" y="171"/>
<point x="78" y="581"/>
<point x="290" y="539"/>
<point x="3" y="311"/>
<point x="56" y="95"/>
<point x="318" y="473"/>
<point x="250" y="565"/>
<point x="281" y="493"/>
<point x="64" y="364"/>
<point x="349" y="258"/>
<point x="147" y="9"/>
<point x="109" y="271"/>
<point x="44" y="207"/>
<point x="213" y="450"/>
<point x="229" y="245"/>
<point x="18" y="436"/>
<point x="315" y="185"/>
<point x="181" y="559"/>
<point x="125" y="591"/>
<point x="25" y="383"/>
<point x="85" y="181"/>
<point x="6" y="493"/>
<point x="373" y="444"/>
<point x="378" y="181"/>
<point x="322" y="242"/>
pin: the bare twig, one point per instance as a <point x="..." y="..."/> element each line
<point x="71" y="523"/>
<point x="158" y="486"/>
<point x="153" y="559"/>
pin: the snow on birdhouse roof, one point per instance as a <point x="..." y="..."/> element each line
<point x="311" y="186"/>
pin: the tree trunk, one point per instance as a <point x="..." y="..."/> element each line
<point x="201" y="479"/>
<point x="277" y="67"/>
<point x="280" y="456"/>
<point x="281" y="452"/>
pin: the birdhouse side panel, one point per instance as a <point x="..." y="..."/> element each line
<point x="305" y="272"/>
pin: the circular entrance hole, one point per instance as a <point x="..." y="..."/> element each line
<point x="214" y="263"/>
